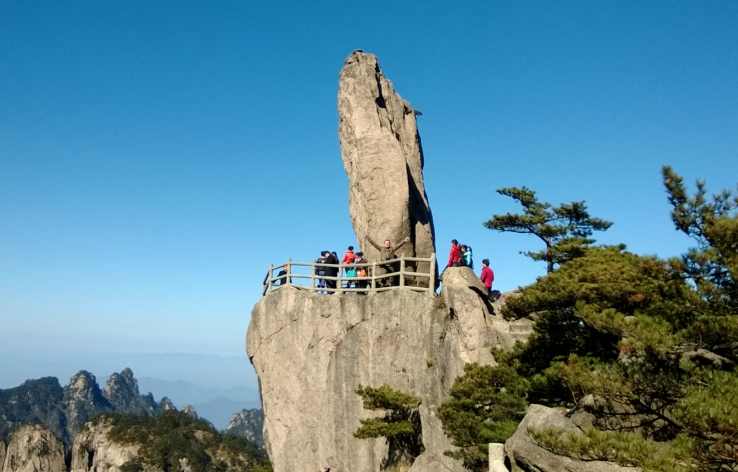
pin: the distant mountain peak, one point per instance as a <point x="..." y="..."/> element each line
<point x="64" y="410"/>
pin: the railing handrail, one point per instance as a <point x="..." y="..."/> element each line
<point x="286" y="275"/>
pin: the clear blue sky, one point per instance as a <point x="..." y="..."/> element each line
<point x="154" y="159"/>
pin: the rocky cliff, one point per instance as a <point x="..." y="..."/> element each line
<point x="311" y="352"/>
<point x="247" y="424"/>
<point x="33" y="448"/>
<point x="383" y="158"/>
<point x="63" y="410"/>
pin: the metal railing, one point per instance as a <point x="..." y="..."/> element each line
<point x="402" y="272"/>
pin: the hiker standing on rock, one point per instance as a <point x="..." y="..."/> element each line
<point x="487" y="276"/>
<point x="387" y="252"/>
<point x="454" y="255"/>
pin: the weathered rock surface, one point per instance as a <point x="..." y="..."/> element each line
<point x="122" y="392"/>
<point x="312" y="351"/>
<point x="93" y="451"/>
<point x="248" y="424"/>
<point x="33" y="448"/>
<point x="383" y="157"/>
<point x="2" y="454"/>
<point x="83" y="399"/>
<point x="526" y="455"/>
<point x="64" y="410"/>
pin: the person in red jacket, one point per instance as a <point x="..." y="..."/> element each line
<point x="348" y="256"/>
<point x="454" y="256"/>
<point x="487" y="276"/>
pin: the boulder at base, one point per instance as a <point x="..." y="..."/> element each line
<point x="526" y="455"/>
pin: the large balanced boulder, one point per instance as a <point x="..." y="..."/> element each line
<point x="383" y="158"/>
<point x="527" y="455"/>
<point x="33" y="448"/>
<point x="312" y="351"/>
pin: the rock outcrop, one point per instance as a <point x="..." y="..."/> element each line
<point x="121" y="390"/>
<point x="64" y="410"/>
<point x="33" y="448"/>
<point x="35" y="401"/>
<point x="2" y="455"/>
<point x="383" y="158"/>
<point x="94" y="451"/>
<point x="83" y="399"/>
<point x="526" y="455"/>
<point x="247" y="424"/>
<point x="312" y="351"/>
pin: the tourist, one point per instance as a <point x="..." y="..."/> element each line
<point x="350" y="272"/>
<point x="387" y="252"/>
<point x="361" y="271"/>
<point x="487" y="276"/>
<point x="321" y="270"/>
<point x="454" y="255"/>
<point x="466" y="255"/>
<point x="331" y="271"/>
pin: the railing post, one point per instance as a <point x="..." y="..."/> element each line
<point x="374" y="277"/>
<point x="339" y="282"/>
<point x="432" y="278"/>
<point x="288" y="280"/>
<point x="269" y="278"/>
<point x="402" y="271"/>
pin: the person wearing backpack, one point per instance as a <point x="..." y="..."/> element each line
<point x="321" y="271"/>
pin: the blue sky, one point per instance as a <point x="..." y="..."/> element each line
<point x="155" y="159"/>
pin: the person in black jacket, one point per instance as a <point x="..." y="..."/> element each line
<point x="331" y="258"/>
<point x="322" y="271"/>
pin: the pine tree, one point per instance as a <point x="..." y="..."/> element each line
<point x="485" y="405"/>
<point x="400" y="425"/>
<point x="565" y="230"/>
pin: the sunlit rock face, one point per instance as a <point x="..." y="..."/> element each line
<point x="312" y="351"/>
<point x="383" y="158"/>
<point x="33" y="448"/>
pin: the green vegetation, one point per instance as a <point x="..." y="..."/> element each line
<point x="400" y="425"/>
<point x="173" y="437"/>
<point x="648" y="347"/>
<point x="486" y="405"/>
<point x="566" y="230"/>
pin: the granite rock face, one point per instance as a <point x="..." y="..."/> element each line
<point x="248" y="424"/>
<point x="33" y="448"/>
<point x="121" y="390"/>
<point x="312" y="351"/>
<point x="64" y="410"/>
<point x="83" y="399"/>
<point x="526" y="455"/>
<point x="35" y="401"/>
<point x="383" y="158"/>
<point x="93" y="451"/>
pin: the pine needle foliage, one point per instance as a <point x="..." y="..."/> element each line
<point x="167" y="439"/>
<point x="485" y="405"/>
<point x="400" y="425"/>
<point x="647" y="347"/>
<point x="566" y="230"/>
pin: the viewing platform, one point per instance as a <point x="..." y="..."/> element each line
<point x="403" y="272"/>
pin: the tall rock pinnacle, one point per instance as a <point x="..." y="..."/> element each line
<point x="383" y="158"/>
